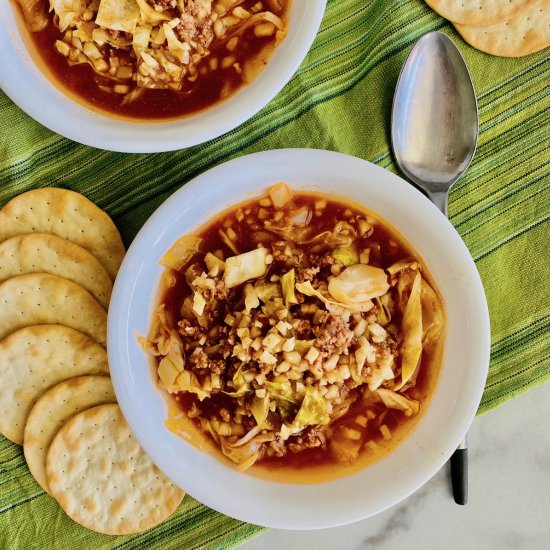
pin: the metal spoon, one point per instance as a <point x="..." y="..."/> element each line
<point x="434" y="131"/>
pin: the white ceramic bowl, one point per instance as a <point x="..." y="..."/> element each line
<point x="25" y="84"/>
<point x="442" y="426"/>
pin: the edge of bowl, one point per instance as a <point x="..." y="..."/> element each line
<point x="26" y="85"/>
<point x="118" y="322"/>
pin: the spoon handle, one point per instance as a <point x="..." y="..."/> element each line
<point x="459" y="473"/>
<point x="459" y="460"/>
<point x="441" y="200"/>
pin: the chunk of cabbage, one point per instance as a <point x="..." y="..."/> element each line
<point x="148" y="14"/>
<point x="118" y="15"/>
<point x="241" y="386"/>
<point x="346" y="254"/>
<point x="358" y="284"/>
<point x="433" y="318"/>
<point x="36" y="14"/>
<point x="411" y="325"/>
<point x="251" y="299"/>
<point x="313" y="410"/>
<point x="280" y="194"/>
<point x="287" y="285"/>
<point x="187" y="381"/>
<point x="307" y="289"/>
<point x="394" y="400"/>
<point x="68" y="11"/>
<point x="181" y="251"/>
<point x="169" y="369"/>
<point x="180" y="50"/>
<point x="286" y="399"/>
<point x="259" y="407"/>
<point x="403" y="265"/>
<point x="267" y="291"/>
<point x="214" y="265"/>
<point x="244" y="267"/>
<point x="245" y="455"/>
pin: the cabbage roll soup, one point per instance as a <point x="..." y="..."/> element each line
<point x="154" y="59"/>
<point x="296" y="334"/>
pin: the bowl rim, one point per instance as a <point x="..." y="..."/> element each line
<point x="461" y="410"/>
<point x="31" y="90"/>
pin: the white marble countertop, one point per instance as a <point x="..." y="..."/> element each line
<point x="509" y="495"/>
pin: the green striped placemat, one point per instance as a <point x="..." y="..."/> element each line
<point x="340" y="99"/>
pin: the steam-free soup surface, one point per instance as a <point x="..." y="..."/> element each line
<point x="300" y="366"/>
<point x="212" y="52"/>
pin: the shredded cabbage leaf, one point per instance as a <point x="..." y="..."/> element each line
<point x="181" y="251"/>
<point x="187" y="381"/>
<point x="394" y="400"/>
<point x="245" y="454"/>
<point x="308" y="290"/>
<point x="286" y="398"/>
<point x="242" y="387"/>
<point x="346" y="254"/>
<point x="118" y="15"/>
<point x="287" y="284"/>
<point x="280" y="194"/>
<point x="259" y="407"/>
<point x="68" y="11"/>
<point x="244" y="267"/>
<point x="433" y="318"/>
<point x="36" y="14"/>
<point x="313" y="410"/>
<point x="148" y="14"/>
<point x="411" y="325"/>
<point x="359" y="284"/>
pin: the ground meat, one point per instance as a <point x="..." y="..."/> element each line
<point x="279" y="255"/>
<point x="221" y="291"/>
<point x="186" y="30"/>
<point x="302" y="328"/>
<point x="186" y="328"/>
<point x="224" y="414"/>
<point x="199" y="9"/>
<point x="308" y="439"/>
<point x="333" y="334"/>
<point x="306" y="274"/>
<point x="166" y="4"/>
<point x="227" y="345"/>
<point x="279" y="250"/>
<point x="217" y="365"/>
<point x="389" y="345"/>
<point x="200" y="360"/>
<point x="321" y="261"/>
<point x="278" y="446"/>
<point x="195" y="24"/>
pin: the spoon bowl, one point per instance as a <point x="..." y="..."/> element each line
<point x="434" y="118"/>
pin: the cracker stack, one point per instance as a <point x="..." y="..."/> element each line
<point x="59" y="254"/>
<point x="511" y="28"/>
